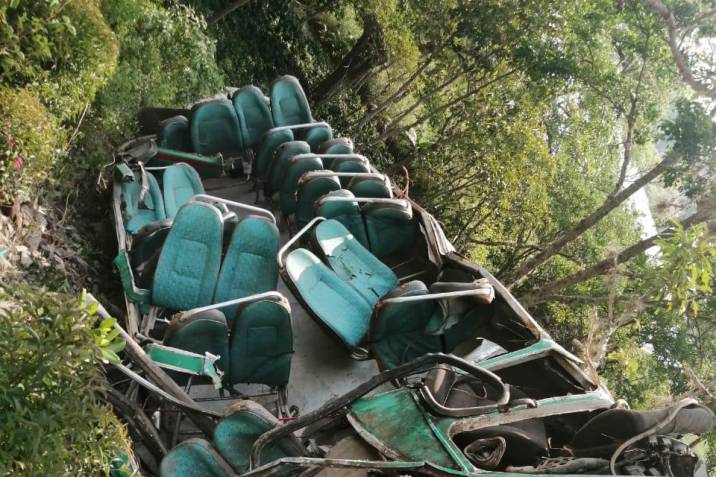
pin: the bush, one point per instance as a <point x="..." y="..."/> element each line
<point x="53" y="421"/>
<point x="29" y="141"/>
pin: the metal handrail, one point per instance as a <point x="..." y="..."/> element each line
<point x="365" y="200"/>
<point x="351" y="155"/>
<point x="438" y="296"/>
<point x="273" y="295"/>
<point x="238" y="205"/>
<point x="321" y="124"/>
<point x="282" y="251"/>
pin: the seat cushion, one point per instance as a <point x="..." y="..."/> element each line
<point x="309" y="192"/>
<point x="200" y="333"/>
<point x="215" y="128"/>
<point x="194" y="458"/>
<point x="267" y="150"/>
<point x="347" y="213"/>
<point x="390" y="228"/>
<point x="279" y="164"/>
<point x="138" y="214"/>
<point x="289" y="104"/>
<point x="236" y="433"/>
<point x="174" y="134"/>
<point x="369" y="187"/>
<point x="353" y="262"/>
<point x="397" y="330"/>
<point x="261" y="345"/>
<point x="249" y="265"/>
<point x="297" y="166"/>
<point x="335" y="303"/>
<point x="190" y="259"/>
<point x="181" y="182"/>
<point x="254" y="114"/>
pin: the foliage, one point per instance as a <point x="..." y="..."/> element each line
<point x="53" y="421"/>
<point x="30" y="141"/>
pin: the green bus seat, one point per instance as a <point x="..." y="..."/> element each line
<point x="349" y="164"/>
<point x="190" y="259"/>
<point x="316" y="136"/>
<point x="279" y="164"/>
<point x="174" y="134"/>
<point x="215" y="128"/>
<point x="336" y="305"/>
<point x="138" y="214"/>
<point x="249" y="265"/>
<point x="261" y="345"/>
<point x="267" y="150"/>
<point x="194" y="458"/>
<point x="254" y="115"/>
<point x="347" y="213"/>
<point x="295" y="168"/>
<point x="340" y="145"/>
<point x="309" y="191"/>
<point x="201" y="332"/>
<point x="180" y="182"/>
<point x="353" y="262"/>
<point x="390" y="228"/>
<point x="370" y="187"/>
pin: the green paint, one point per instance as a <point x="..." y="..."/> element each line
<point x="185" y="362"/>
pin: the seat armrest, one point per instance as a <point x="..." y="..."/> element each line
<point x="141" y="296"/>
<point x="206" y="166"/>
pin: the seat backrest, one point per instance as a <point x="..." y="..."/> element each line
<point x="340" y="145"/>
<point x="397" y="330"/>
<point x="297" y="166"/>
<point x="181" y="182"/>
<point x="353" y="262"/>
<point x="390" y="228"/>
<point x="289" y="104"/>
<point x="279" y="164"/>
<point x="316" y="136"/>
<point x="202" y="332"/>
<point x="215" y="128"/>
<point x="349" y="164"/>
<point x="347" y="213"/>
<point x="138" y="214"/>
<point x="254" y="114"/>
<point x="190" y="259"/>
<point x="370" y="187"/>
<point x="194" y="458"/>
<point x="267" y="151"/>
<point x="309" y="191"/>
<point x="249" y="265"/>
<point x="336" y="305"/>
<point x="174" y="134"/>
<point x="261" y="345"/>
<point x="236" y="433"/>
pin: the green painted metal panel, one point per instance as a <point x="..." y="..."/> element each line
<point x="185" y="362"/>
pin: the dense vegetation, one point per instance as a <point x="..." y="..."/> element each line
<point x="526" y="127"/>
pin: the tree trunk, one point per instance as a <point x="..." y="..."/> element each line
<point x="225" y="11"/>
<point x="543" y="293"/>
<point x="610" y="203"/>
<point x="365" y="57"/>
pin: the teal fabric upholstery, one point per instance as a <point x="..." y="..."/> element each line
<point x="174" y="134"/>
<point x="279" y="164"/>
<point x="341" y="145"/>
<point x="199" y="333"/>
<point x="138" y="215"/>
<point x="308" y="193"/>
<point x="249" y="265"/>
<point x="353" y="262"/>
<point x="335" y="303"/>
<point x="390" y="228"/>
<point x="190" y="259"/>
<point x="269" y="144"/>
<point x="261" y="345"/>
<point x="367" y="187"/>
<point x="254" y="114"/>
<point x="397" y="330"/>
<point x="347" y="213"/>
<point x="236" y="433"/>
<point x="181" y="183"/>
<point x="215" y="128"/>
<point x="289" y="104"/>
<point x="318" y="135"/>
<point x="348" y="164"/>
<point x="194" y="458"/>
<point x="297" y="166"/>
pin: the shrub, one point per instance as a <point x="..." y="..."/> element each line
<point x="29" y="141"/>
<point x="53" y="421"/>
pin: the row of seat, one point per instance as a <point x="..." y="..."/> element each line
<point x="358" y="299"/>
<point x="247" y="122"/>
